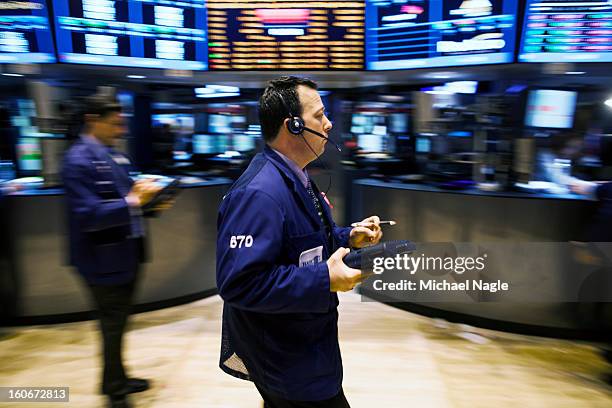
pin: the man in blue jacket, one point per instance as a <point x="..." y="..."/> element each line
<point x="106" y="232"/>
<point x="279" y="259"/>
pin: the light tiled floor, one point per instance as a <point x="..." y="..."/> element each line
<point x="392" y="359"/>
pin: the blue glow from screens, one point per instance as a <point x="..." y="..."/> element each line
<point x="25" y="36"/>
<point x="566" y="32"/>
<point x="134" y="33"/>
<point x="516" y="88"/>
<point x="459" y="133"/>
<point x="550" y="109"/>
<point x="436" y="33"/>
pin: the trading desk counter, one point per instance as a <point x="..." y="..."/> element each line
<point x="38" y="285"/>
<point x="426" y="214"/>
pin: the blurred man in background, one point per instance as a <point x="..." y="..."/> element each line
<point x="106" y="232"/>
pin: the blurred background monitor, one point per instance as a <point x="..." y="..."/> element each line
<point x="371" y="143"/>
<point x="548" y="108"/>
<point x="25" y="36"/>
<point x="132" y="33"/>
<point x="204" y="144"/>
<point x="219" y="124"/>
<point x="422" y="144"/>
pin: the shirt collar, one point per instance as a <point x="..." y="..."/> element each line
<point x="300" y="173"/>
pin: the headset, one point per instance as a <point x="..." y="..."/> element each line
<point x="296" y="126"/>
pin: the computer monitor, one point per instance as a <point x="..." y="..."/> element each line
<point x="29" y="155"/>
<point x="25" y="36"/>
<point x="422" y="145"/>
<point x="548" y="108"/>
<point x="244" y="142"/>
<point x="398" y="123"/>
<point x="132" y="33"/>
<point x="220" y="124"/>
<point x="439" y="33"/>
<point x="371" y="143"/>
<point x="204" y="144"/>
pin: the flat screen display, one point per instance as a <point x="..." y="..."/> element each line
<point x="434" y="33"/>
<point x="135" y="33"/>
<point x="371" y="143"/>
<point x="204" y="144"/>
<point x="563" y="31"/>
<point x="247" y="35"/>
<point x="25" y="36"/>
<point x="550" y="109"/>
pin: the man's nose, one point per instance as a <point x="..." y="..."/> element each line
<point x="328" y="125"/>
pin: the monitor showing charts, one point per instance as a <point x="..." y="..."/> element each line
<point x="562" y="31"/>
<point x="168" y="34"/>
<point x="247" y="35"/>
<point x="25" y="36"/>
<point x="408" y="34"/>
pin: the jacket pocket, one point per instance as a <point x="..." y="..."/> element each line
<point x="298" y="244"/>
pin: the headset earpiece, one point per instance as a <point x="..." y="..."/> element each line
<point x="295" y="125"/>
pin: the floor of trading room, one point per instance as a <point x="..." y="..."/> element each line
<point x="391" y="359"/>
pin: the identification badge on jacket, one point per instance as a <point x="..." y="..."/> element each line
<point x="311" y="256"/>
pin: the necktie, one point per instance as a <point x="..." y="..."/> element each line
<point x="324" y="221"/>
<point x="315" y="201"/>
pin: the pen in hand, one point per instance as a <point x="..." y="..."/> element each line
<point x="359" y="224"/>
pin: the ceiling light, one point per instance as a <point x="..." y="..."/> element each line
<point x="575" y="73"/>
<point x="12" y="75"/>
<point x="136" y="76"/>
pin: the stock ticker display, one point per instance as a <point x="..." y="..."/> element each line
<point x="289" y="34"/>
<point x="168" y="34"/>
<point x="25" y="36"/>
<point x="567" y="31"/>
<point x="435" y="33"/>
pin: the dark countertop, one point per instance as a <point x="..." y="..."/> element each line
<point x="215" y="181"/>
<point x="470" y="191"/>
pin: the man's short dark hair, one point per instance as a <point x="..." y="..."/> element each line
<point x="272" y="110"/>
<point x="101" y="105"/>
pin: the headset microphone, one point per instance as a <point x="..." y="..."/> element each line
<point x="323" y="137"/>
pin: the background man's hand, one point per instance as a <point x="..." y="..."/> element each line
<point x="341" y="277"/>
<point x="368" y="233"/>
<point x="143" y="191"/>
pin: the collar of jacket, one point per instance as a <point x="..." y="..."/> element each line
<point x="288" y="173"/>
<point x="298" y="188"/>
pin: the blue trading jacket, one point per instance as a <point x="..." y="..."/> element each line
<point x="99" y="217"/>
<point x="279" y="319"/>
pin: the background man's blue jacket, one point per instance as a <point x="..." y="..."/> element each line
<point x="99" y="217"/>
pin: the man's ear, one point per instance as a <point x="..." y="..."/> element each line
<point x="91" y="117"/>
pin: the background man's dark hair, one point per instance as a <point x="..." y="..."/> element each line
<point x="272" y="112"/>
<point x="100" y="104"/>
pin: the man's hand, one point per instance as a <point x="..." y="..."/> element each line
<point x="166" y="205"/>
<point x="142" y="192"/>
<point x="341" y="277"/>
<point x="582" y="187"/>
<point x="368" y="233"/>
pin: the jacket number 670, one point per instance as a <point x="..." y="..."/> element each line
<point x="238" y="240"/>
